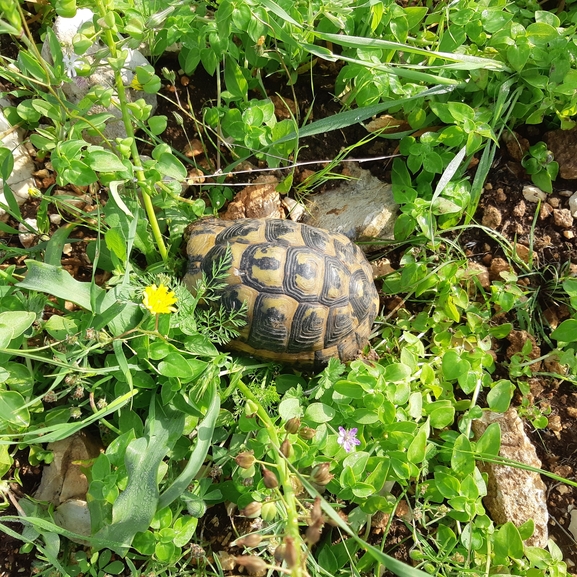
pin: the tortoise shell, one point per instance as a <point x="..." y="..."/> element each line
<point x="309" y="292"/>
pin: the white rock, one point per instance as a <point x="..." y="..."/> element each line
<point x="20" y="180"/>
<point x="27" y="238"/>
<point x="103" y="76"/>
<point x="514" y="494"/>
<point x="533" y="194"/>
<point x="362" y="208"/>
<point x="573" y="205"/>
<point x="74" y="516"/>
<point x="295" y="209"/>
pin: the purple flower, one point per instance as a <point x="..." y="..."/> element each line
<point x="348" y="439"/>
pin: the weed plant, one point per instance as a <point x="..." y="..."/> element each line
<point x="309" y="461"/>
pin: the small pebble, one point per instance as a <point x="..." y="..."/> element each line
<point x="492" y="217"/>
<point x="533" y="194"/>
<point x="554" y="201"/>
<point x="520" y="209"/>
<point x="27" y="238"/>
<point x="568" y="234"/>
<point x="563" y="217"/>
<point x="546" y="210"/>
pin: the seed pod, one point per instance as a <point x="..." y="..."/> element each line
<point x="290" y="552"/>
<point x="252" y="563"/>
<point x="306" y="433"/>
<point x="279" y="553"/>
<point x="320" y="474"/>
<point x="245" y="460"/>
<point x="269" y="478"/>
<point x="292" y="425"/>
<point x="286" y="448"/>
<point x="316" y="512"/>
<point x="252" y="510"/>
<point x="313" y="533"/>
<point x="251" y="540"/>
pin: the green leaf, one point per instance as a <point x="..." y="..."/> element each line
<point x="13" y="324"/>
<point x="418" y="446"/>
<point x="169" y="165"/>
<point x="6" y="162"/>
<point x="104" y="161"/>
<point x="508" y="542"/>
<point x="135" y="507"/>
<point x="499" y="397"/>
<point x="60" y="327"/>
<point x="235" y="81"/>
<point x="115" y="243"/>
<point x="349" y="389"/>
<point x="157" y="124"/>
<point x="13" y="410"/>
<point x="204" y="439"/>
<point x="462" y="459"/>
<point x="397" y="372"/>
<point x="489" y="443"/>
<point x="566" y="331"/>
<point x="55" y="246"/>
<point x="56" y="281"/>
<point x="320" y="413"/>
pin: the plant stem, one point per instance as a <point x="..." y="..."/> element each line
<point x="145" y="187"/>
<point x="292" y="525"/>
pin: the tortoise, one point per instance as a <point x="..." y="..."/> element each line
<point x="309" y="292"/>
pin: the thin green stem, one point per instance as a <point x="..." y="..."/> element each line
<point x="292" y="525"/>
<point x="145" y="187"/>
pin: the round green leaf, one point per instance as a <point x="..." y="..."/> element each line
<point x="320" y="413"/>
<point x="566" y="331"/>
<point x="13" y="409"/>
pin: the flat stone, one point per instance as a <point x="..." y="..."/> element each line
<point x="514" y="494"/>
<point x="362" y="208"/>
<point x="63" y="479"/>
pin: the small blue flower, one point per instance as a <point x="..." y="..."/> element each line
<point x="348" y="439"/>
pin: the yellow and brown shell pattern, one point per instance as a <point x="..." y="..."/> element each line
<point x="309" y="292"/>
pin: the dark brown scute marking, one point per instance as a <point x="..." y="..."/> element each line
<point x="361" y="294"/>
<point x="315" y="238"/>
<point x="345" y="252"/>
<point x="269" y="328"/>
<point x="249" y="260"/>
<point x="339" y="325"/>
<point x="276" y="229"/>
<point x="334" y="273"/>
<point x="305" y="332"/>
<point x="237" y="231"/>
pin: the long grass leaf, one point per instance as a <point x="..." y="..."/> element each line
<point x="350" y="117"/>
<point x="205" y="432"/>
<point x="360" y="42"/>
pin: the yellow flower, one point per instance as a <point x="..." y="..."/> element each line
<point x="159" y="299"/>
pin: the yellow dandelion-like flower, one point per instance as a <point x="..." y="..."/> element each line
<point x="159" y="300"/>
